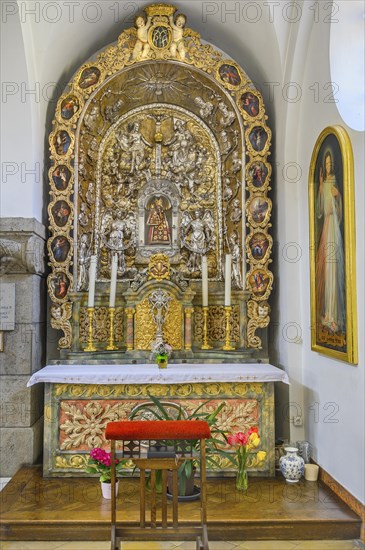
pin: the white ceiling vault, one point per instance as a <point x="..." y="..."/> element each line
<point x="45" y="41"/>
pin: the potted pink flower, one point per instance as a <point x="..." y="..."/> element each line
<point x="245" y="443"/>
<point x="99" y="462"/>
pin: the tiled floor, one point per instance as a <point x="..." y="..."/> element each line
<point x="213" y="545"/>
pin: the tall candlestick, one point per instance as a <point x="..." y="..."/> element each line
<point x="205" y="280"/>
<point x="113" y="281"/>
<point x="92" y="279"/>
<point x="227" y="286"/>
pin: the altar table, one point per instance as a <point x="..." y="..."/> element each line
<point x="81" y="399"/>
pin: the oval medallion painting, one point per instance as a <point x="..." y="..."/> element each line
<point x="250" y="103"/>
<point x="259" y="244"/>
<point x="89" y="77"/>
<point x="259" y="281"/>
<point x="258" y="138"/>
<point x="61" y="176"/>
<point x="59" y="285"/>
<point x="258" y="209"/>
<point x="60" y="248"/>
<point x="62" y="142"/>
<point x="61" y="212"/>
<point x="258" y="173"/>
<point x="69" y="107"/>
<point x="229" y="74"/>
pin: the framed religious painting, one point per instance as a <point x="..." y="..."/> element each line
<point x="332" y="246"/>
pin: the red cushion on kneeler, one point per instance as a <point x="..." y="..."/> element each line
<point x="136" y="430"/>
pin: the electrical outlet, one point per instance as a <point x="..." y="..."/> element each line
<point x="297" y="421"/>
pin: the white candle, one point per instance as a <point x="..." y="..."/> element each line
<point x="92" y="279"/>
<point x="205" y="280"/>
<point x="113" y="281"/>
<point x="227" y="287"/>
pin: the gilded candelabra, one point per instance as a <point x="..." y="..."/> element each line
<point x="227" y="346"/>
<point x="90" y="341"/>
<point x="111" y="346"/>
<point x="130" y="330"/>
<point x="205" y="328"/>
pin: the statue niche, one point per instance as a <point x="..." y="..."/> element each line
<point x="158" y="213"/>
<point x="158" y="221"/>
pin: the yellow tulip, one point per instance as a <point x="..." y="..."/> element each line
<point x="254" y="440"/>
<point x="261" y="455"/>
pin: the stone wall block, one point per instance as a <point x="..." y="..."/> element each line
<point x="24" y="349"/>
<point x="20" y="406"/>
<point x="30" y="297"/>
<point x="20" y="446"/>
<point x="22" y="246"/>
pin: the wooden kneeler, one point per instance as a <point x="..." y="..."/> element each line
<point x="178" y="433"/>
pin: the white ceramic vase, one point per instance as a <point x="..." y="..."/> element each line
<point x="292" y="465"/>
<point x="106" y="489"/>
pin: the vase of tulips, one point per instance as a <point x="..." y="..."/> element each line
<point x="245" y="443"/>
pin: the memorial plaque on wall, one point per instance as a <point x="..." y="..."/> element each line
<point x="7" y="306"/>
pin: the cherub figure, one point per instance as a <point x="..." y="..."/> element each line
<point x="227" y="117"/>
<point x="90" y="198"/>
<point x="236" y="163"/>
<point x="206" y="108"/>
<point x="91" y="116"/>
<point x="177" y="44"/>
<point x="142" y="47"/>
<point x="236" y="213"/>
<point x="83" y="216"/>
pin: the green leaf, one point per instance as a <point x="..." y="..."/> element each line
<point x="160" y="407"/>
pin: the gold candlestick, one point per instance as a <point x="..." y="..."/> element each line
<point x="90" y="342"/>
<point x="205" y="329"/>
<point x="227" y="346"/>
<point x="111" y="346"/>
<point x="130" y="329"/>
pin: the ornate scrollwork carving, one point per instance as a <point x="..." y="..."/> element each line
<point x="159" y="267"/>
<point x="258" y="317"/>
<point x="101" y="324"/>
<point x="60" y="320"/>
<point x="217" y="324"/>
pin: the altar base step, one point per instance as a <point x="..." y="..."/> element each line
<point x="37" y="508"/>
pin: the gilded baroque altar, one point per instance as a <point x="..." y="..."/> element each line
<point x="159" y="154"/>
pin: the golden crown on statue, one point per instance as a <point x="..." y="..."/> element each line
<point x="160" y="9"/>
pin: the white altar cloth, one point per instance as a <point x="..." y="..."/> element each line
<point x="151" y="374"/>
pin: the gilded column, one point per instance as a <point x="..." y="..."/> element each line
<point x="130" y="328"/>
<point x="188" y="327"/>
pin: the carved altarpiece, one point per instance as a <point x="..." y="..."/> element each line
<point x="159" y="154"/>
<point x="160" y="145"/>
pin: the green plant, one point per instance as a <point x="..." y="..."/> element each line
<point x="214" y="445"/>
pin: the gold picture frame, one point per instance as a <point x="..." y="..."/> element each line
<point x="332" y="246"/>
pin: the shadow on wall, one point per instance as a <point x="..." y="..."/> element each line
<point x="283" y="411"/>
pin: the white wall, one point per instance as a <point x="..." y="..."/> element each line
<point x="329" y="393"/>
<point x="21" y="192"/>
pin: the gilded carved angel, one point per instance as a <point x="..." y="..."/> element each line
<point x="235" y="248"/>
<point x="142" y="47"/>
<point x="84" y="260"/>
<point x="197" y="235"/>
